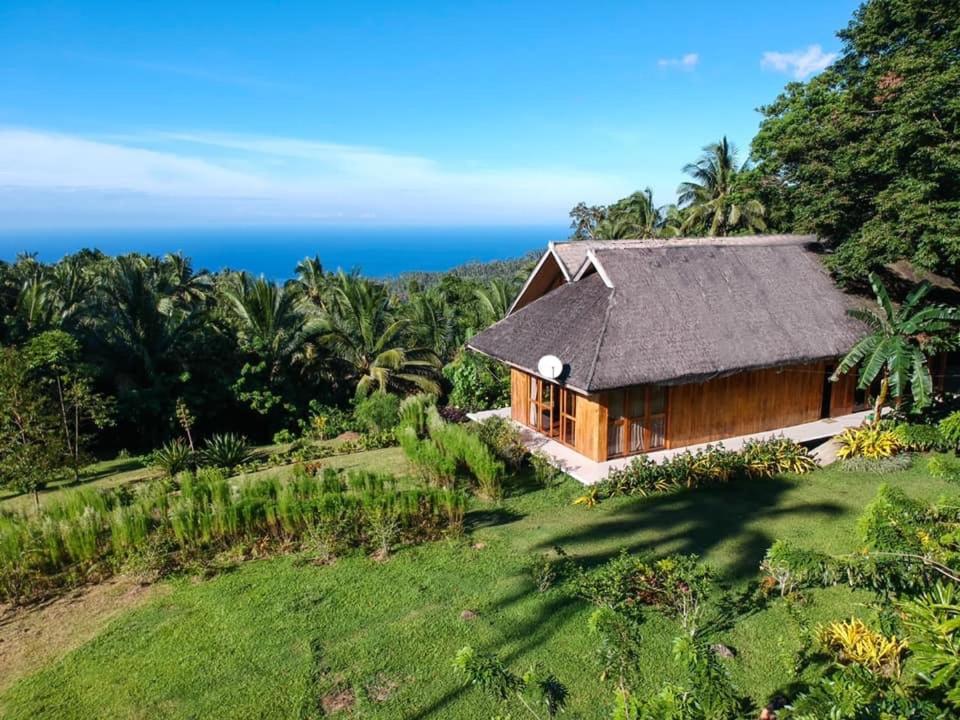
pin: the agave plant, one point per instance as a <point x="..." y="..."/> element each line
<point x="173" y="458"/>
<point x="226" y="451"/>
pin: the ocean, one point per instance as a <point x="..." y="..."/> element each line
<point x="275" y="252"/>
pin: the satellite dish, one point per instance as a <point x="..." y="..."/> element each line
<point x="550" y="367"/>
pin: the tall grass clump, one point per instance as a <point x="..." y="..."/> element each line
<point x="447" y="451"/>
<point x="88" y="532"/>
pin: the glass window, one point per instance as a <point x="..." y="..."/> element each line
<point x="636" y="402"/>
<point x="657" y="432"/>
<point x="658" y="399"/>
<point x="571" y="403"/>
<point x="615" y="404"/>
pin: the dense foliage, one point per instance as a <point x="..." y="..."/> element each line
<point x="157" y="350"/>
<point x="865" y="153"/>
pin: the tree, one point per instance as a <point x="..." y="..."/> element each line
<point x="495" y="299"/>
<point x="371" y="342"/>
<point x="32" y="448"/>
<point x="897" y="347"/>
<point x="584" y="220"/>
<point x="713" y="201"/>
<point x="634" y="216"/>
<point x="271" y="330"/>
<point x="867" y="151"/>
<point x="311" y="280"/>
<point x="54" y="357"/>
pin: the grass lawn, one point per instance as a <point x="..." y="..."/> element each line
<point x="283" y="638"/>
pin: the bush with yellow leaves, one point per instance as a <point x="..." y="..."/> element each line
<point x="853" y="641"/>
<point x="868" y="441"/>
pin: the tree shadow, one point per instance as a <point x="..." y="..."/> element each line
<point x="490" y="517"/>
<point x="692" y="522"/>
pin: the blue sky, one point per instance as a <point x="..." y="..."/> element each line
<point x="196" y="113"/>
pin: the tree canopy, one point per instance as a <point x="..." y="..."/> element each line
<point x="868" y="153"/>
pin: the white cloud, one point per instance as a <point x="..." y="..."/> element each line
<point x="224" y="177"/>
<point x="686" y="62"/>
<point x="799" y="63"/>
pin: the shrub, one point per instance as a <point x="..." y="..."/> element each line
<point x="945" y="466"/>
<point x="950" y="429"/>
<point x="283" y="437"/>
<point x="478" y="383"/>
<point x="415" y="412"/>
<point x="544" y="471"/>
<point x="766" y="458"/>
<point x="676" y="585"/>
<point x="448" y="449"/>
<point x="788" y="568"/>
<point x="503" y="438"/>
<point x="853" y="641"/>
<point x="868" y="441"/>
<point x="226" y="451"/>
<point x="712" y="465"/>
<point x="327" y="421"/>
<point x="933" y="622"/>
<point x="173" y="458"/>
<point x="919" y="437"/>
<point x="378" y="411"/>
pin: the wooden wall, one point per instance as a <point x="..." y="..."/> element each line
<point x="744" y="403"/>
<point x="591" y="434"/>
<point x="739" y="404"/>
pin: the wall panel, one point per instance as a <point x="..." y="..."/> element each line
<point x="744" y="403"/>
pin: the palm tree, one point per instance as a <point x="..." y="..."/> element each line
<point x="495" y="300"/>
<point x="896" y="348"/>
<point x="311" y="280"/>
<point x="362" y="331"/>
<point x="267" y="318"/>
<point x="141" y="336"/>
<point x="710" y="200"/>
<point x="635" y="216"/>
<point x="431" y="322"/>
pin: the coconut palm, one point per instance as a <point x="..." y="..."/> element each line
<point x="311" y="280"/>
<point x="896" y="349"/>
<point x="376" y="347"/>
<point x="635" y="216"/>
<point x="710" y="201"/>
<point x="431" y="322"/>
<point x="494" y="300"/>
<point x="267" y="318"/>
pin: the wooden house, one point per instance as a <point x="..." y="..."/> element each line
<point x="669" y="343"/>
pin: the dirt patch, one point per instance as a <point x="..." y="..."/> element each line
<point x="348" y="436"/>
<point x="339" y="700"/>
<point x="381" y="688"/>
<point x="33" y="637"/>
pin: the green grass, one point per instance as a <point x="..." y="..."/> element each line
<point x="272" y="638"/>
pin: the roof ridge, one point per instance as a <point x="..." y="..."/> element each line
<point x="706" y="241"/>
<point x="600" y="336"/>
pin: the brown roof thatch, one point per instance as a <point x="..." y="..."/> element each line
<point x="680" y="311"/>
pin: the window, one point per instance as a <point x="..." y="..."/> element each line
<point x="553" y="410"/>
<point x="637" y="420"/>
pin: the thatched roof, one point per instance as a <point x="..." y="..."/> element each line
<point x="679" y="311"/>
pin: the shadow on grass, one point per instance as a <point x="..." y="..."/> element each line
<point x="490" y="517"/>
<point x="694" y="521"/>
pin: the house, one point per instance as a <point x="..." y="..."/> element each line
<point x="671" y="343"/>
